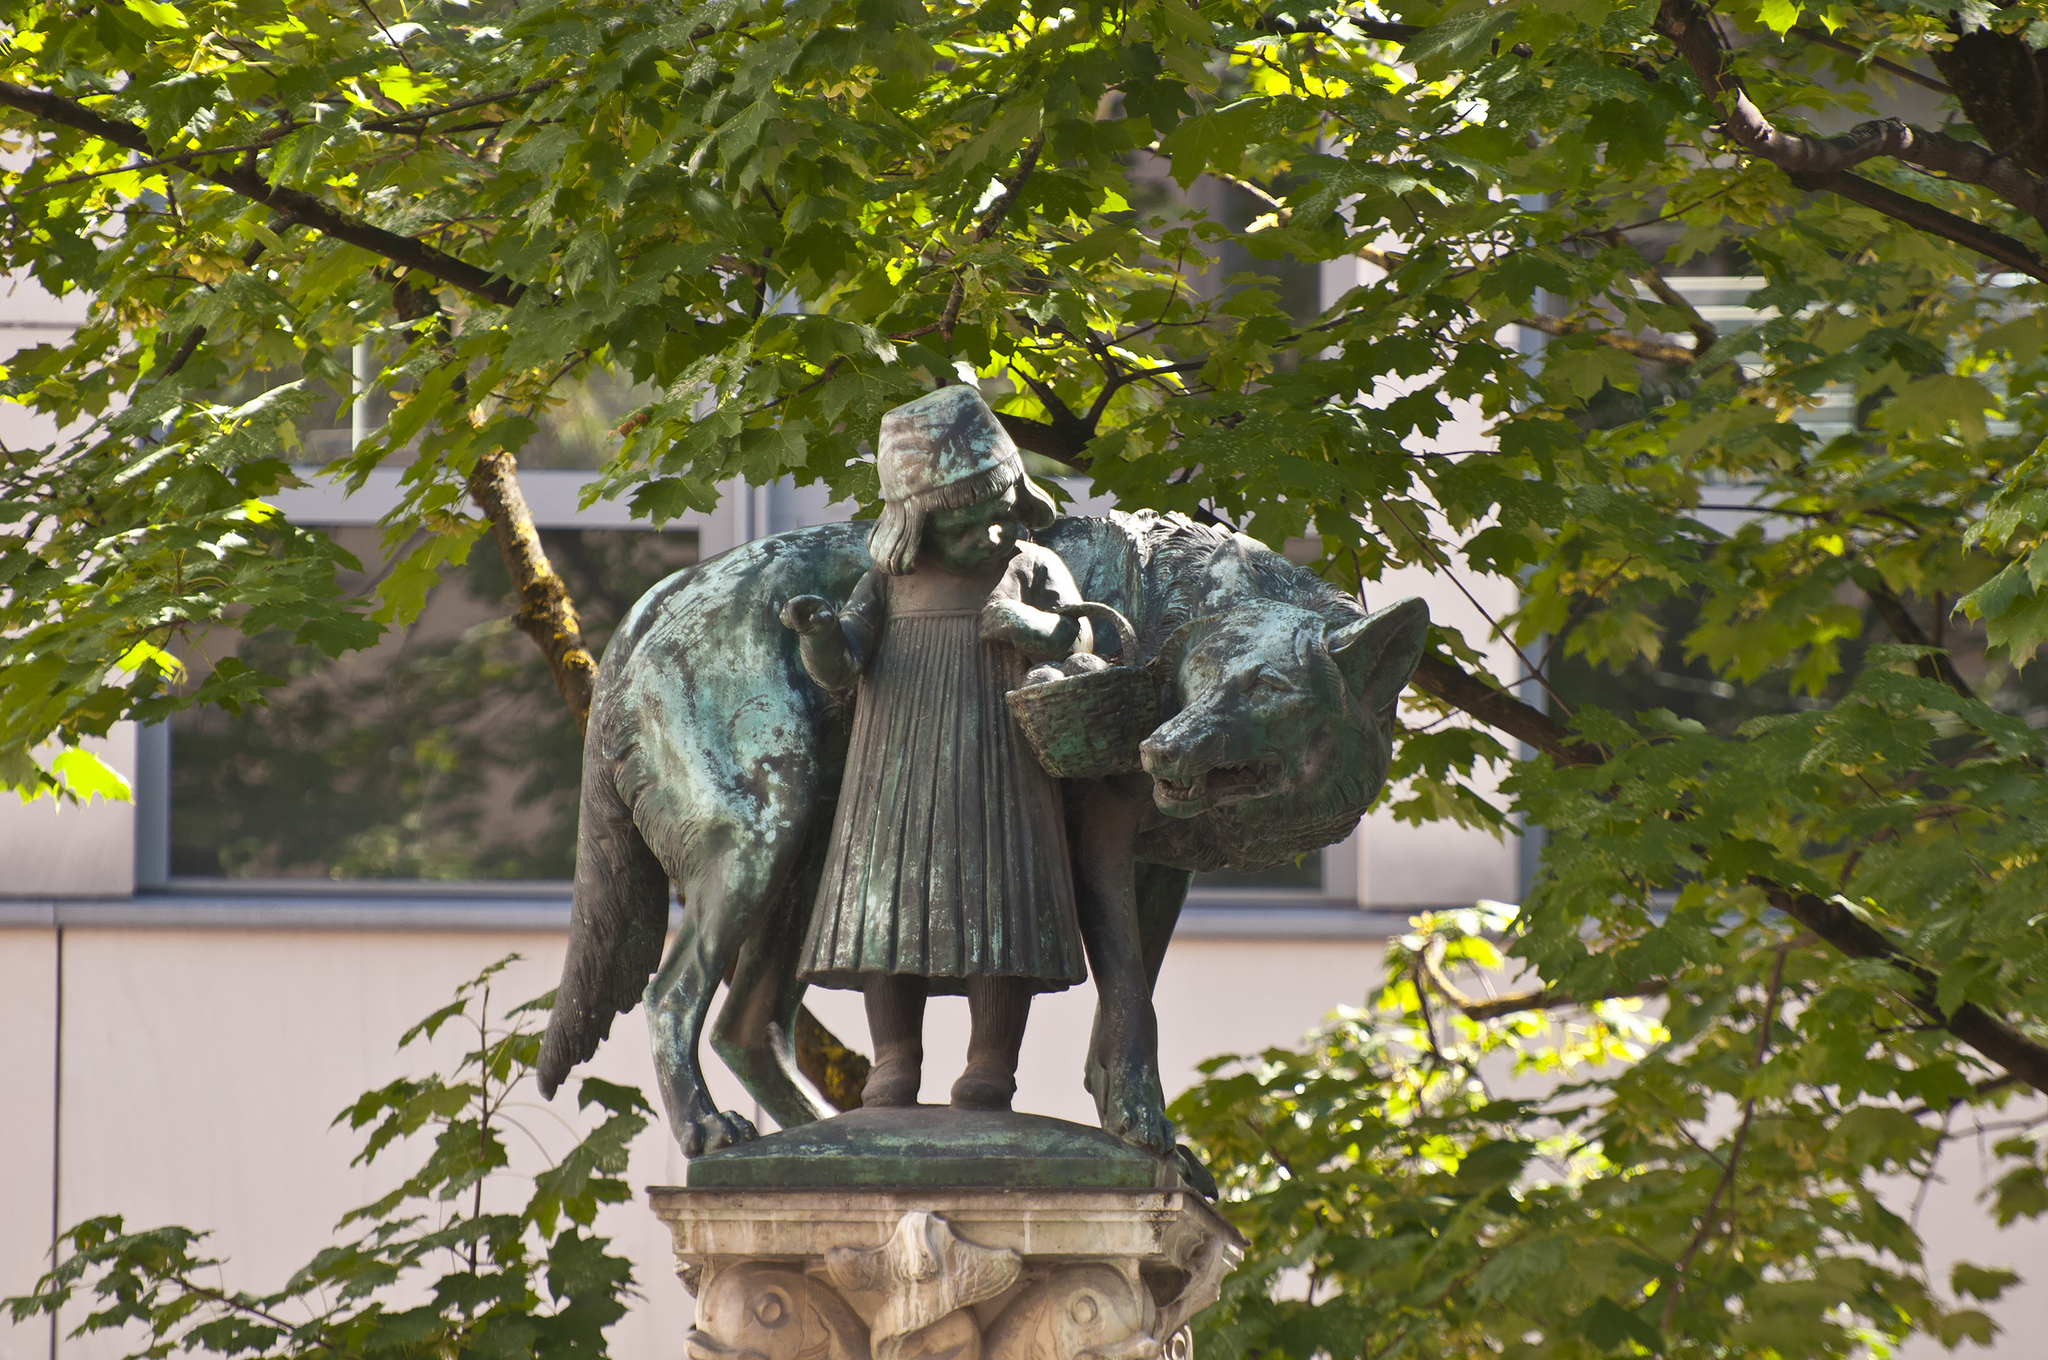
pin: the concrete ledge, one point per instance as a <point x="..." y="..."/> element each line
<point x="536" y="909"/>
<point x="179" y="912"/>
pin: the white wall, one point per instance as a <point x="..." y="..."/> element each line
<point x="29" y="316"/>
<point x="28" y="1124"/>
<point x="1401" y="866"/>
<point x="201" y="1069"/>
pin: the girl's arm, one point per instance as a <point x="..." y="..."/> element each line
<point x="836" y="646"/>
<point x="1014" y="614"/>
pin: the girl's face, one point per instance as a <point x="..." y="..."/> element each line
<point x="974" y="537"/>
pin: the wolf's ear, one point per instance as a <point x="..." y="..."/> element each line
<point x="1378" y="653"/>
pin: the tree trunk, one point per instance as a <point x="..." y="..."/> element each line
<point x="546" y="613"/>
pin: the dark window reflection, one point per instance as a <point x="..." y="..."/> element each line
<point x="444" y="752"/>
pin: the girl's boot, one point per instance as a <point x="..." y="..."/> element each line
<point x="896" y="1024"/>
<point x="997" y="1007"/>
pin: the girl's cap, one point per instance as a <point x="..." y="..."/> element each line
<point x="946" y="450"/>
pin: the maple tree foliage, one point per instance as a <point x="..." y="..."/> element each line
<point x="1822" y="855"/>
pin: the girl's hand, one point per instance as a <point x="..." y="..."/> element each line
<point x="1007" y="621"/>
<point x="808" y="615"/>
<point x="1034" y="632"/>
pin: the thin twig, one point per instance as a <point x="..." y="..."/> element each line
<point x="1711" y="1218"/>
<point x="1492" y="1008"/>
<point x="1657" y="351"/>
<point x="1826" y="39"/>
<point x="1027" y="160"/>
<point x="311" y="211"/>
<point x="291" y="125"/>
<point x="1428" y="1018"/>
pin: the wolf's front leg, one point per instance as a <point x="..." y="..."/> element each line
<point x="1123" y="1058"/>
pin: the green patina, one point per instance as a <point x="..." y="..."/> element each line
<point x="820" y="740"/>
<point x="930" y="1146"/>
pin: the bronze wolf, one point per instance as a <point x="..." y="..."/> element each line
<point x="713" y="762"/>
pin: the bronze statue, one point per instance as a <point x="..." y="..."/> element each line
<point x="718" y="742"/>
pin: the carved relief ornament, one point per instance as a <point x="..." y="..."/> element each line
<point x="927" y="1294"/>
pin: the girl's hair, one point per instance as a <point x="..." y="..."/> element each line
<point x="896" y="537"/>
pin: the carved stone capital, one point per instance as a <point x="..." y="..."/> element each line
<point x="876" y="1274"/>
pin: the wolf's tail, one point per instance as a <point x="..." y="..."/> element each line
<point x="617" y="922"/>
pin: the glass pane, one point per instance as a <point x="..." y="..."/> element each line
<point x="577" y="429"/>
<point x="444" y="752"/>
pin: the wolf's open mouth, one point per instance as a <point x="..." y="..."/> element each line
<point x="1220" y="786"/>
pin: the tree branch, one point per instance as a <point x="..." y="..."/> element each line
<point x="1798" y="154"/>
<point x="1450" y="682"/>
<point x="1051" y="441"/>
<point x="1991" y="1036"/>
<point x="1906" y="629"/>
<point x="190" y="345"/>
<point x="1711" y="1218"/>
<point x="290" y="125"/>
<point x="1972" y="164"/>
<point x="1546" y="999"/>
<point x="1826" y="39"/>
<point x="546" y="613"/>
<point x="1823" y="162"/>
<point x="1661" y="351"/>
<point x="1381" y="29"/>
<point x="1703" y="333"/>
<point x="1027" y="161"/>
<point x="1832" y="921"/>
<point x="1072" y="431"/>
<point x="303" y="207"/>
<point x="1913" y="212"/>
<point x="494" y="97"/>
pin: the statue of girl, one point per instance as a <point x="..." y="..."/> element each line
<point x="948" y="869"/>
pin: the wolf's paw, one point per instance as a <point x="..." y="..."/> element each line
<point x="1129" y="1100"/>
<point x="712" y="1130"/>
<point x="1141" y="1123"/>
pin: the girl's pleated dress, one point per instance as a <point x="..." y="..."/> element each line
<point x="949" y="847"/>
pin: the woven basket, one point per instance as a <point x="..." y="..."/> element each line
<point x="1088" y="725"/>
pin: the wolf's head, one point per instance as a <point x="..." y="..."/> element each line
<point x="1283" y="730"/>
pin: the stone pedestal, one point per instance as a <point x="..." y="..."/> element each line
<point x="936" y="1266"/>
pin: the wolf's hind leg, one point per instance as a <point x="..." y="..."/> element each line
<point x="756" y="1030"/>
<point x="728" y="900"/>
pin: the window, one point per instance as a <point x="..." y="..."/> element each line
<point x="444" y="752"/>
